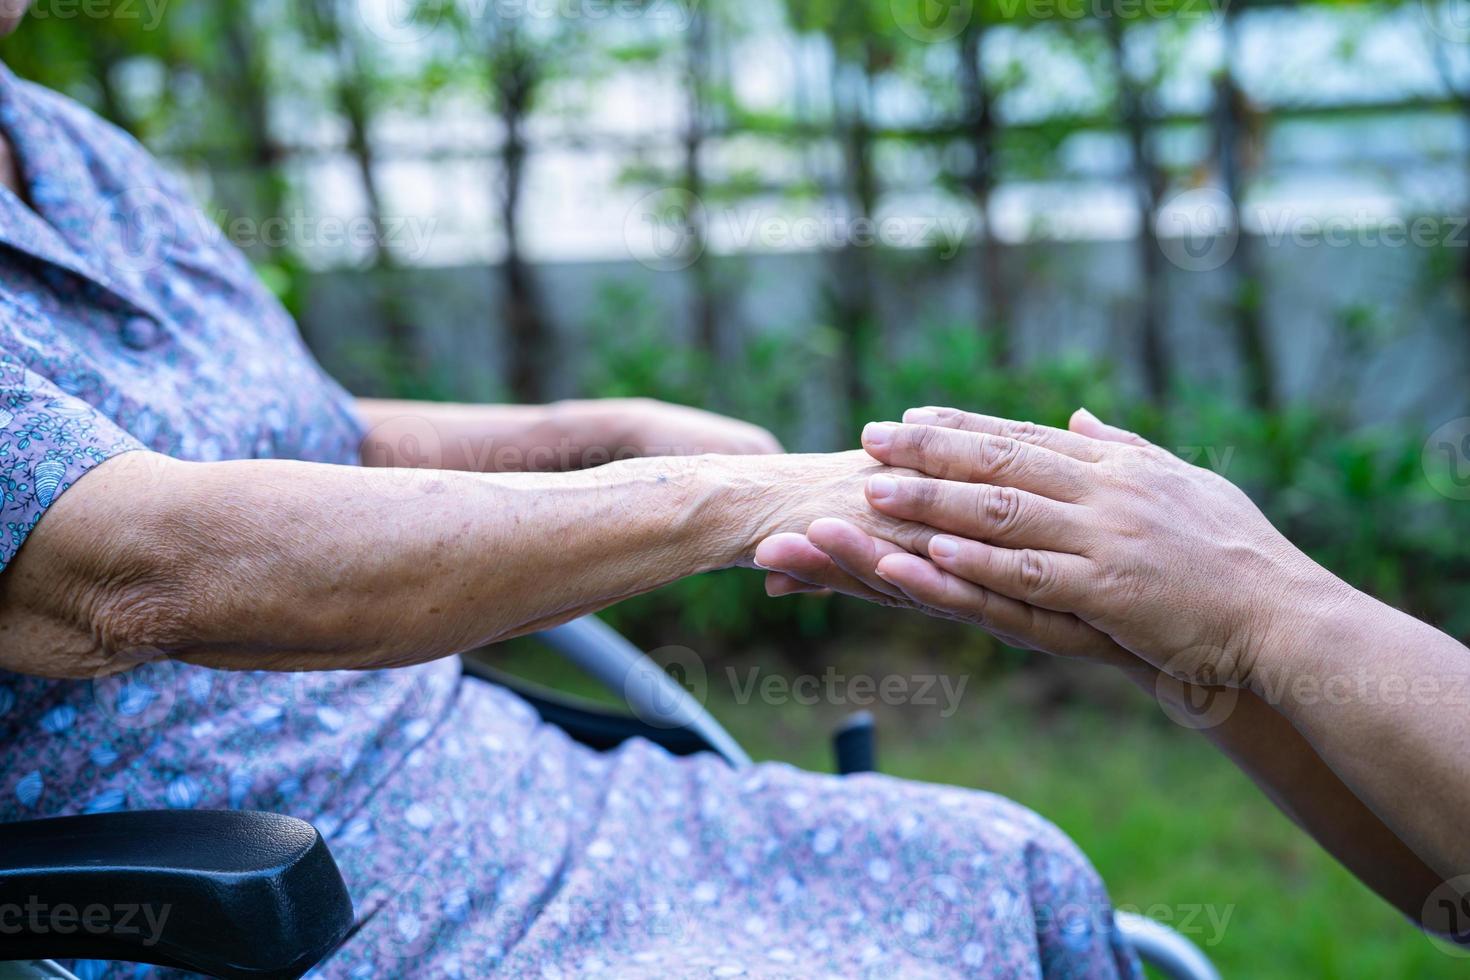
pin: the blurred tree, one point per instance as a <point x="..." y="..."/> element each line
<point x="697" y="125"/>
<point x="860" y="49"/>
<point x="1149" y="182"/>
<point x="1236" y="138"/>
<point x="1445" y="33"/>
<point x="981" y="126"/>
<point x="356" y="94"/>
<point x="81" y="56"/>
<point x="242" y="82"/>
<point x="517" y="55"/>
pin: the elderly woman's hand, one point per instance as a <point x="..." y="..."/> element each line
<point x="781" y="496"/>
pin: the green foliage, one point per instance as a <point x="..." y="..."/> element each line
<point x="1355" y="498"/>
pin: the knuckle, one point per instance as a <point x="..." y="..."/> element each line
<point x="1135" y="439"/>
<point x="1001" y="508"/>
<point x="1035" y="571"/>
<point x="924" y="440"/>
<point x="1122" y="583"/>
<point x="1028" y="626"/>
<point x="906" y="534"/>
<point x="997" y="454"/>
<point x="1024" y="430"/>
<point x="977" y="610"/>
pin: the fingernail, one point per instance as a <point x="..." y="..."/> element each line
<point x="878" y="434"/>
<point x="943" y="547"/>
<point x="920" y="416"/>
<point x="1086" y="414"/>
<point x="881" y="487"/>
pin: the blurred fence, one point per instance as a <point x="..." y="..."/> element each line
<point x="1350" y="327"/>
<point x="1243" y="159"/>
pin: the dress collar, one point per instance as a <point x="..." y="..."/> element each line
<point x="70" y="221"/>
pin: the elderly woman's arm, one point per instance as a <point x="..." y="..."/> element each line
<point x="565" y="435"/>
<point x="292" y="566"/>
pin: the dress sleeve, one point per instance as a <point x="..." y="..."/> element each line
<point x="48" y="439"/>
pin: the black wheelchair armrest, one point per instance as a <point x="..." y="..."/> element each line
<point x="228" y="893"/>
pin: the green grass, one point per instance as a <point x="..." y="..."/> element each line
<point x="1169" y="822"/>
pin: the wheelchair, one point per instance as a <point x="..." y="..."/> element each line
<point x="258" y="896"/>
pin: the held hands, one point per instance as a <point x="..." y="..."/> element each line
<point x="779" y="497"/>
<point x="1089" y="542"/>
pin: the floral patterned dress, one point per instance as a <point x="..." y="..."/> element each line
<point x="474" y="839"/>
